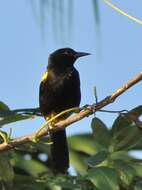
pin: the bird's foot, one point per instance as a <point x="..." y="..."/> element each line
<point x="52" y="119"/>
<point x="49" y="125"/>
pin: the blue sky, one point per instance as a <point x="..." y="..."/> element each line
<point x="116" y="57"/>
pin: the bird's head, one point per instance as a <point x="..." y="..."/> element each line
<point x="64" y="57"/>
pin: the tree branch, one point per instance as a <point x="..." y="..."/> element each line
<point x="74" y="118"/>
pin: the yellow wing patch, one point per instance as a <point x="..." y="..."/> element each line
<point x="44" y="76"/>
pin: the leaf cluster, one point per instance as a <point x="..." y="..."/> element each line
<point x="101" y="160"/>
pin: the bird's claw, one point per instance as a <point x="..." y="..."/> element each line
<point x="50" y="126"/>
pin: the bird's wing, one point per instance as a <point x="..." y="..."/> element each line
<point x="48" y="95"/>
<point x="43" y="94"/>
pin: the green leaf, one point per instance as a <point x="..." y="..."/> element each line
<point x="138" y="186"/>
<point x="77" y="161"/>
<point x="126" y="171"/>
<point x="31" y="166"/>
<point x="138" y="169"/>
<point x="97" y="158"/>
<point x="3" y="106"/>
<point x="100" y="132"/>
<point x="120" y="155"/>
<point x="120" y="123"/>
<point x="126" y="134"/>
<point x="82" y="143"/>
<point x="138" y="146"/>
<point x="6" y="170"/>
<point x="13" y="118"/>
<point x="75" y="183"/>
<point x="125" y="120"/>
<point x="137" y="111"/>
<point x="127" y="138"/>
<point x="23" y="182"/>
<point x="4" y="110"/>
<point x="68" y="184"/>
<point x="9" y="116"/>
<point x="104" y="178"/>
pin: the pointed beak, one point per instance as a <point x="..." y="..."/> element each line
<point x="81" y="54"/>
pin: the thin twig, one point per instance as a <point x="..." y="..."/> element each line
<point x="114" y="111"/>
<point x="74" y="118"/>
<point x="28" y="111"/>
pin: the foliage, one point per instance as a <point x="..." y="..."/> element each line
<point x="101" y="160"/>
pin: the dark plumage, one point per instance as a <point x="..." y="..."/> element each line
<point x="60" y="90"/>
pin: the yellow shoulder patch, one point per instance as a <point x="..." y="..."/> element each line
<point x="44" y="76"/>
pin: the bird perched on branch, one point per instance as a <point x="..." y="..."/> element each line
<point x="60" y="90"/>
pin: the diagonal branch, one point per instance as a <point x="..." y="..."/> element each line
<point x="74" y="118"/>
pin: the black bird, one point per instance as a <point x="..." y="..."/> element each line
<point x="60" y="90"/>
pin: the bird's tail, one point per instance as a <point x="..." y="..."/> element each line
<point x="59" y="152"/>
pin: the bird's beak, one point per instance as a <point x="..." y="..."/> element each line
<point x="81" y="54"/>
